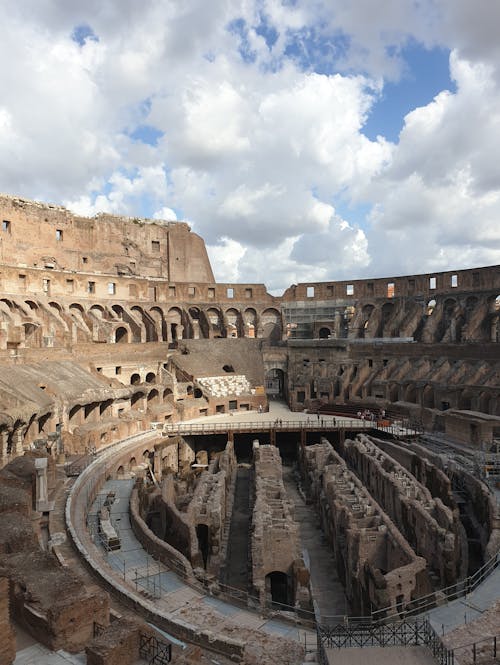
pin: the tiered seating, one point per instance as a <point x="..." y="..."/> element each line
<point x="224" y="386"/>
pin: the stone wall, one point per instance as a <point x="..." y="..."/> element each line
<point x="7" y="635"/>
<point x="432" y="529"/>
<point x="376" y="564"/>
<point x="275" y="541"/>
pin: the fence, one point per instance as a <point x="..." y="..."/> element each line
<point x="405" y="633"/>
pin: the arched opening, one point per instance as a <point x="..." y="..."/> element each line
<point x="271" y="324"/>
<point x="120" y="472"/>
<point x="250" y="321"/>
<point x="411" y="393"/>
<point x="121" y="335"/>
<point x="324" y="333"/>
<point x="202" y="534"/>
<point x="430" y="307"/>
<point x="135" y="379"/>
<point x="277" y="588"/>
<point x="153" y="397"/>
<point x="275" y="383"/>
<point x="228" y="368"/>
<point x="166" y="393"/>
<point x="132" y="464"/>
<point x="428" y="397"/>
<point x="465" y="400"/>
<point x="150" y="377"/>
<point x="233" y="321"/>
<point x="394" y="392"/>
<point x="135" y="399"/>
<point x="198" y="393"/>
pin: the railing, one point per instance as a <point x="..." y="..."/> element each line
<point x="485" y="648"/>
<point x="418" y="632"/>
<point x="153" y="650"/>
<point x="326" y="423"/>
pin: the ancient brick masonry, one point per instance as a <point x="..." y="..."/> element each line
<point x="8" y="638"/>
<point x="374" y="561"/>
<point x="432" y="529"/>
<point x="278" y="570"/>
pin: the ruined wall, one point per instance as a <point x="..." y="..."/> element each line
<point x="275" y="540"/>
<point x="105" y="243"/>
<point x="49" y="601"/>
<point x="378" y="567"/>
<point x="8" y="637"/>
<point x="431" y="528"/>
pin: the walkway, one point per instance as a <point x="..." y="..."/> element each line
<point x="171" y="595"/>
<point x="236" y="569"/>
<point x="326" y="587"/>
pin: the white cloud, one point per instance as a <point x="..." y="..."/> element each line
<point x="260" y="153"/>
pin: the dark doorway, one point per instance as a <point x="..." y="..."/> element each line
<point x="203" y="538"/>
<point x="277" y="587"/>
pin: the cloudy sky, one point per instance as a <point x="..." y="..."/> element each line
<point x="303" y="139"/>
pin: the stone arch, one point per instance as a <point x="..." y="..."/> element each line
<point x="97" y="310"/>
<point x="428" y="397"/>
<point x="214" y="320"/>
<point x="167" y="393"/>
<point x="411" y="393"/>
<point x="484" y="402"/>
<point x="174" y="323"/>
<point x="233" y="323"/>
<point x="276" y="382"/>
<point x="118" y="310"/>
<point x="31" y="304"/>
<point x="135" y="379"/>
<point x="394" y="392"/>
<point x="324" y="332"/>
<point x="121" y="335"/>
<point x="150" y="377"/>
<point x="153" y="397"/>
<point x="158" y="315"/>
<point x="271" y="324"/>
<point x="55" y="305"/>
<point x="250" y="322"/>
<point x="135" y="398"/>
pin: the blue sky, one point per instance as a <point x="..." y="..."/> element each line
<point x="304" y="140"/>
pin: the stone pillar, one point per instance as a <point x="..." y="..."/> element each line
<point x="42" y="494"/>
<point x="4" y="439"/>
<point x="17" y="443"/>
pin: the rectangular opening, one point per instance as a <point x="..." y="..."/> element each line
<point x="70" y="285"/>
<point x="475" y="279"/>
<point x="233" y="405"/>
<point x="230" y="293"/>
<point x="390" y="290"/>
<point x="132" y="290"/>
<point x="310" y="291"/>
<point x="22" y="281"/>
<point x="329" y="290"/>
<point x="111" y="288"/>
<point x="349" y="289"/>
<point x="90" y="287"/>
<point x="155" y="245"/>
<point x="248" y="293"/>
<point x="211" y="292"/>
<point x="118" y="370"/>
<point x="85" y="259"/>
<point x="171" y="291"/>
<point x="46" y="286"/>
<point x="191" y="290"/>
<point x="220" y="408"/>
<point x="454" y="281"/>
<point x="301" y="396"/>
<point x="59" y="234"/>
<point x="432" y="283"/>
<point x="6" y="226"/>
<point x="411" y="286"/>
<point x="99" y="369"/>
<point x="152" y="293"/>
<point x="369" y="288"/>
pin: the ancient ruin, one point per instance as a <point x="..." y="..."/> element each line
<point x="113" y="332"/>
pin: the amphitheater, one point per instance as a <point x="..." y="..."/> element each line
<point x="197" y="472"/>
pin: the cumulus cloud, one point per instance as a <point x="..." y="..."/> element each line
<point x="258" y="110"/>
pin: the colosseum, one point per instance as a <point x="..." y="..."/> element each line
<point x="196" y="472"/>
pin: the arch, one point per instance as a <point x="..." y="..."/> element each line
<point x="97" y="310"/>
<point x="428" y="397"/>
<point x="120" y="472"/>
<point x="132" y="463"/>
<point x="324" y="333"/>
<point x="150" y="377"/>
<point x="278" y="588"/>
<point x="76" y="306"/>
<point x="411" y="393"/>
<point x="135" y="379"/>
<point x="496" y="303"/>
<point x="431" y="305"/>
<point x="118" y="310"/>
<point x="31" y="304"/>
<point x="484" y="402"/>
<point x="276" y="382"/>
<point x="394" y="392"/>
<point x="233" y="323"/>
<point x="174" y="321"/>
<point x="271" y="324"/>
<point x="153" y="397"/>
<point x="465" y="400"/>
<point x="135" y="398"/>
<point x="167" y="392"/>
<point x="121" y="335"/>
<point x="55" y="305"/>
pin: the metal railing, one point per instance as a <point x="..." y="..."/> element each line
<point x="418" y="632"/>
<point x="485" y="648"/>
<point x="326" y="423"/>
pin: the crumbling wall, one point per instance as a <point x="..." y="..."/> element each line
<point x="275" y="540"/>
<point x="378" y="567"/>
<point x="8" y="637"/>
<point x="431" y="528"/>
<point x="209" y="507"/>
